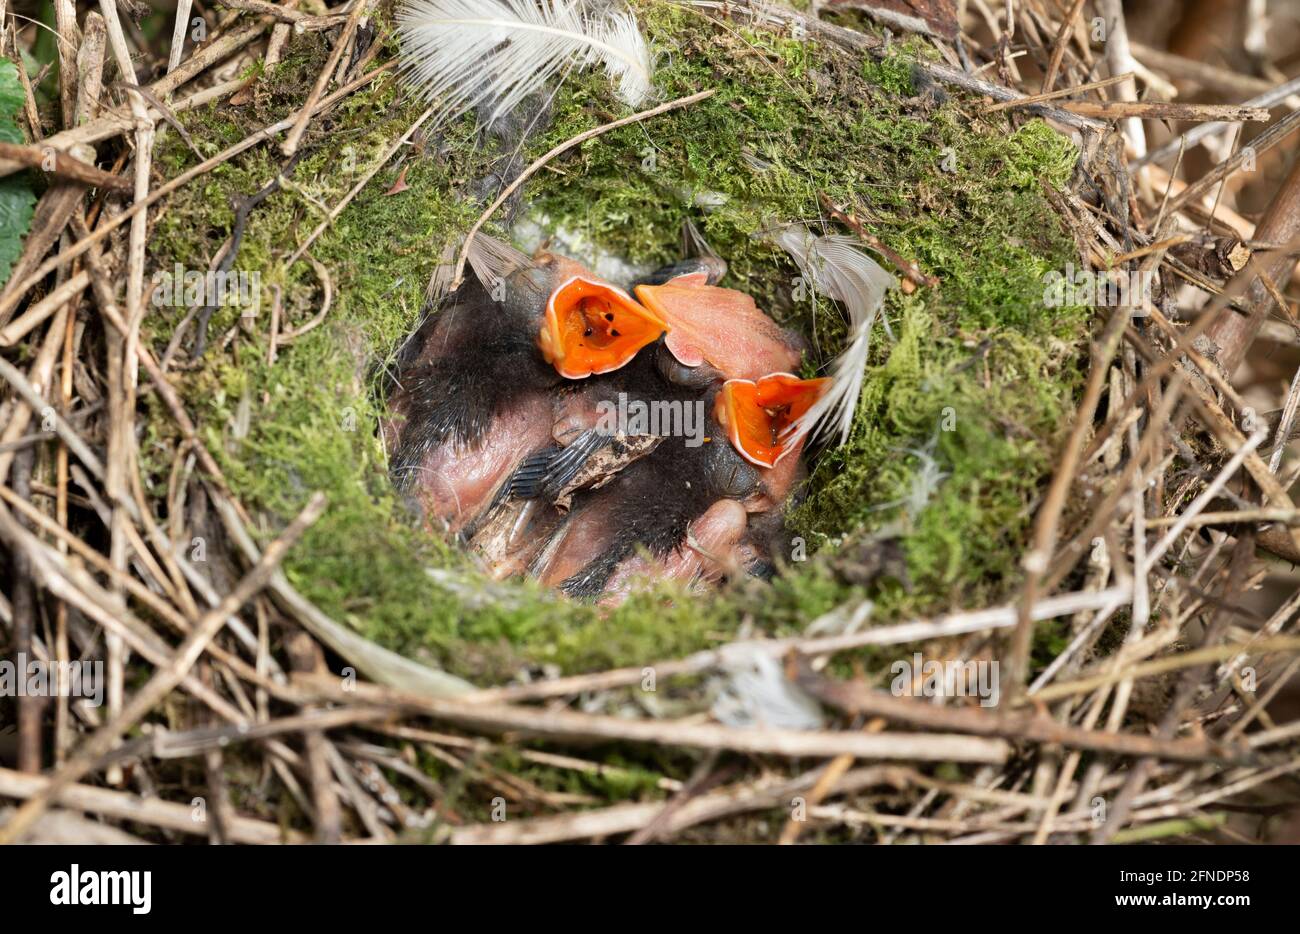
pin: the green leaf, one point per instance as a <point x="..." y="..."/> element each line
<point x="16" y="197"/>
<point x="11" y="93"/>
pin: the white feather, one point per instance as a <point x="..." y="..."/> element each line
<point x="754" y="692"/>
<point x="844" y="620"/>
<point x="925" y="481"/>
<point x="493" y="261"/>
<point x="444" y="274"/>
<point x="462" y="53"/>
<point x="837" y="267"/>
<point x="625" y="55"/>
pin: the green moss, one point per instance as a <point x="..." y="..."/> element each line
<point x="977" y="370"/>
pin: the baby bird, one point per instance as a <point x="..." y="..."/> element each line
<point x="648" y="506"/>
<point x="720" y="337"/>
<point x="504" y="399"/>
<point x="474" y="385"/>
<point x="721" y="327"/>
<point x="713" y="549"/>
<point x="679" y="511"/>
<point x="721" y="331"/>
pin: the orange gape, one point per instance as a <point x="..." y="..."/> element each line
<point x="758" y="414"/>
<point x="593" y="328"/>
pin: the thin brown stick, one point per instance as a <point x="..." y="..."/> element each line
<point x="1058" y="47"/>
<point x="905" y="266"/>
<point x="164" y="679"/>
<point x="130" y="807"/>
<point x="40" y="311"/>
<point x="1166" y="110"/>
<point x="15" y="292"/>
<point x="1054" y="95"/>
<point x="624" y="818"/>
<point x="1047" y="522"/>
<point x="294" y="137"/>
<point x="1169" y="663"/>
<point x="290" y="16"/>
<point x="1233" y="517"/>
<point x="62" y="165"/>
<point x="24" y="626"/>
<point x="567" y="724"/>
<point x="859" y="698"/>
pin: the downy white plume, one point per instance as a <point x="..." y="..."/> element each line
<point x="754" y="692"/>
<point x="927" y="480"/>
<point x="844" y="620"/>
<point x="494" y="260"/>
<point x="837" y="267"/>
<point x="444" y="274"/>
<point x="461" y="53"/>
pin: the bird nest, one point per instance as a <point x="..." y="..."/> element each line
<point x="1006" y="605"/>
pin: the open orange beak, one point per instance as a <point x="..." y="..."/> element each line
<point x="758" y="414"/>
<point x="592" y="328"/>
